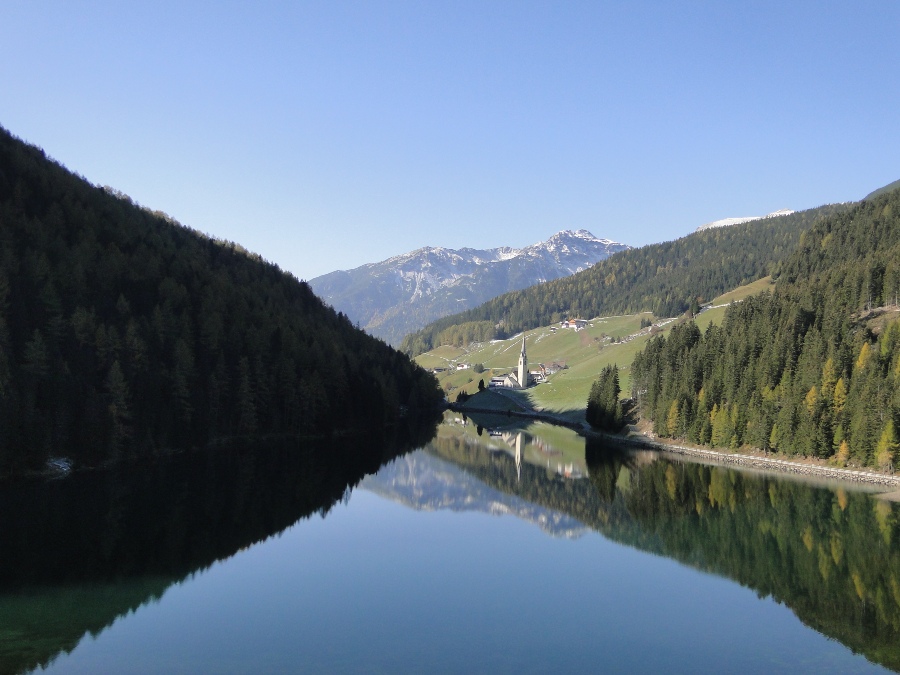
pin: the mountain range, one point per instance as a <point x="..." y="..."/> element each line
<point x="666" y="279"/>
<point x="402" y="294"/>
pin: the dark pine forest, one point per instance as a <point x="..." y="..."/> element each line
<point x="125" y="334"/>
<point x="811" y="369"/>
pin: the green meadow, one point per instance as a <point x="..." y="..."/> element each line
<point x="578" y="356"/>
<point x="720" y="304"/>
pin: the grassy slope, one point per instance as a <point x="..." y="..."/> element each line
<point x="585" y="353"/>
<point x="741" y="292"/>
<point x="717" y="314"/>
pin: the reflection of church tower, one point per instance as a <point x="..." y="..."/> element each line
<point x="523" y="366"/>
<point x="518" y="457"/>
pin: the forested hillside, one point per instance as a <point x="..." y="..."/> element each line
<point x="123" y="333"/>
<point x="811" y="369"/>
<point x="665" y="279"/>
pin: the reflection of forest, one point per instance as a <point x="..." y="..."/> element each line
<point x="831" y="555"/>
<point x="77" y="553"/>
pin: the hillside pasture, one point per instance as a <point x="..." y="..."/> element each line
<point x="579" y="356"/>
<point x="718" y="306"/>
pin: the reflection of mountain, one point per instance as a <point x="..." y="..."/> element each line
<point x="424" y="482"/>
<point x="831" y="556"/>
<point x="80" y="552"/>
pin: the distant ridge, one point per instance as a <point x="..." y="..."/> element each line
<point x="400" y="295"/>
<point x="666" y="279"/>
<point x="725" y="222"/>
<point x="882" y="190"/>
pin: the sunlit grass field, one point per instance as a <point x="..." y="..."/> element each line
<point x="741" y="292"/>
<point x="717" y="315"/>
<point x="584" y="353"/>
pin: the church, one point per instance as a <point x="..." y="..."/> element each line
<point x="520" y="379"/>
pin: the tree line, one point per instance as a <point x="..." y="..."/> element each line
<point x="604" y="408"/>
<point x="811" y="369"/>
<point x="123" y="333"/>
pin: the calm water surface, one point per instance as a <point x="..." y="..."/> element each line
<point x="512" y="550"/>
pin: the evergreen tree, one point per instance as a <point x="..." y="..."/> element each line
<point x="604" y="409"/>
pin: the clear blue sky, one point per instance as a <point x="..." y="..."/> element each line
<point x="324" y="135"/>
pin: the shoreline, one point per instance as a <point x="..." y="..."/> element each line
<point x="773" y="464"/>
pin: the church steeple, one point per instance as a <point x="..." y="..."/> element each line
<point x="523" y="366"/>
<point x="518" y="456"/>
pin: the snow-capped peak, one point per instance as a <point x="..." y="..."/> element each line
<point x="402" y="293"/>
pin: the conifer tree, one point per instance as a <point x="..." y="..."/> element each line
<point x="604" y="409"/>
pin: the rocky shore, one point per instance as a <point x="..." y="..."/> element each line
<point x="795" y="467"/>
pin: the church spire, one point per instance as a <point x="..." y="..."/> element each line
<point x="518" y="456"/>
<point x="523" y="366"/>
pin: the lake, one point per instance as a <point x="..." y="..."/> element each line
<point x="495" y="547"/>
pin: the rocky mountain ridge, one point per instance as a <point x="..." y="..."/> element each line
<point x="403" y="293"/>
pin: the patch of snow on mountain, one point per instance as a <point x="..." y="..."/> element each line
<point x="726" y="222"/>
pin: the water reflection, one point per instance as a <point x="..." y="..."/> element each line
<point x="78" y="553"/>
<point x="425" y="482"/>
<point x="557" y="449"/>
<point x="831" y="554"/>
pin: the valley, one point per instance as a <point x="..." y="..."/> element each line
<point x="402" y="294"/>
<point x="379" y="337"/>
<point x="579" y="355"/>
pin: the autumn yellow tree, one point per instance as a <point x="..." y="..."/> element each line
<point x="887" y="447"/>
